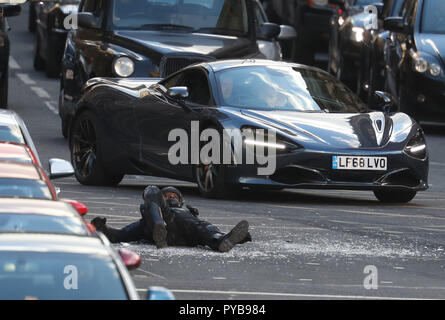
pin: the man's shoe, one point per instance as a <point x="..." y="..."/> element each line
<point x="234" y="237"/>
<point x="99" y="223"/>
<point x="160" y="235"/>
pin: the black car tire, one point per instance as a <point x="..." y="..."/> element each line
<point x="39" y="63"/>
<point x="4" y="91"/>
<point x="86" y="155"/>
<point x="52" y="69"/>
<point x="391" y="196"/>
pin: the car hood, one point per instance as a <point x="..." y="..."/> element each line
<point x="335" y="130"/>
<point x="170" y="42"/>
<point x="433" y="44"/>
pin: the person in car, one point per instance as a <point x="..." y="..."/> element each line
<point x="166" y="222"/>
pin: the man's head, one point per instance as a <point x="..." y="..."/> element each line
<point x="172" y="194"/>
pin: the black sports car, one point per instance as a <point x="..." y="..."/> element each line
<point x="325" y="136"/>
<point x="134" y="38"/>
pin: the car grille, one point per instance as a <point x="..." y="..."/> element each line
<point x="170" y="65"/>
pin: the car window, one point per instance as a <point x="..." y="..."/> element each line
<point x="260" y="17"/>
<point x="433" y="17"/>
<point x="287" y="89"/>
<point x="41" y="224"/>
<point x="93" y="6"/>
<point x="22" y="188"/>
<point x="11" y="134"/>
<point x="42" y="276"/>
<point x="198" y="87"/>
<point x="207" y="16"/>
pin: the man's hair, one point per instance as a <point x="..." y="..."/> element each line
<point x="175" y="191"/>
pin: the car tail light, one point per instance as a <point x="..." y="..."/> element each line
<point x="130" y="259"/>
<point x="79" y="206"/>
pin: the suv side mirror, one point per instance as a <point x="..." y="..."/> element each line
<point x="287" y="33"/>
<point x="59" y="168"/>
<point x="11" y="10"/>
<point x="395" y="24"/>
<point x="179" y="93"/>
<point x="383" y="101"/>
<point x="269" y="30"/>
<point x="88" y="20"/>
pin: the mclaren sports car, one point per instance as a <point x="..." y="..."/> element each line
<point x="318" y="133"/>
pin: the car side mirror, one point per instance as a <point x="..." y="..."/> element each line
<point x="11" y="10"/>
<point x="269" y="30"/>
<point x="130" y="259"/>
<point x="87" y="20"/>
<point x="179" y="93"/>
<point x="395" y="24"/>
<point x="59" y="168"/>
<point x="383" y="101"/>
<point x="159" y="293"/>
<point x="287" y="33"/>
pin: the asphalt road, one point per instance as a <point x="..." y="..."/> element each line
<point x="307" y="244"/>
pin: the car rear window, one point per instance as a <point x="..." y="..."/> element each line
<point x="11" y="134"/>
<point x="22" y="188"/>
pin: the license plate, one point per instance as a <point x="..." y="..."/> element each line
<point x="359" y="163"/>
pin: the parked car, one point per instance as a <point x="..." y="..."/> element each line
<point x="12" y="151"/>
<point x="154" y="39"/>
<point x="123" y="127"/>
<point x="415" y="59"/>
<point x="371" y="75"/>
<point x="347" y="37"/>
<point x="311" y="20"/>
<point x="41" y="216"/>
<point x="8" y="11"/>
<point x="46" y="266"/>
<point x="51" y="34"/>
<point x="13" y="129"/>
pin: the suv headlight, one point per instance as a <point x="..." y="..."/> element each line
<point x="123" y="67"/>
<point x="416" y="147"/>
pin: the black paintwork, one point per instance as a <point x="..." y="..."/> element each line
<point x="401" y="78"/>
<point x="135" y="118"/>
<point x="90" y="52"/>
<point x="50" y="31"/>
<point x="344" y="50"/>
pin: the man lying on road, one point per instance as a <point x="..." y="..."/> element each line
<point x="165" y="222"/>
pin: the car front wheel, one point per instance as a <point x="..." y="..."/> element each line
<point x="86" y="154"/>
<point x="390" y="196"/>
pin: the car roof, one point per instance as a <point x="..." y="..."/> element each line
<point x="53" y="243"/>
<point x="14" y="151"/>
<point x="37" y="207"/>
<point x="7" y="118"/>
<point x="19" y="170"/>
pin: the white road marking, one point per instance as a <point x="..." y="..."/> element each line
<point x="152" y="274"/>
<point x="51" y="107"/>
<point x="219" y="278"/>
<point x="26" y="79"/>
<point x="307" y="280"/>
<point x="437" y="164"/>
<point x="291" y="295"/>
<point x="41" y="92"/>
<point x="13" y="63"/>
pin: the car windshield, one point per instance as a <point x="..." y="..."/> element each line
<point x="41" y="224"/>
<point x="11" y="134"/>
<point x="433" y="16"/>
<point x="207" y="16"/>
<point x="23" y="188"/>
<point x="285" y="88"/>
<point x="59" y="276"/>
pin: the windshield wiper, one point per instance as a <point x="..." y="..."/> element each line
<point x="222" y="31"/>
<point x="165" y="26"/>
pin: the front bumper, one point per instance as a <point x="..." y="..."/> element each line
<point x="313" y="170"/>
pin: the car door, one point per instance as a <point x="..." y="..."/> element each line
<point x="398" y="48"/>
<point x="160" y="114"/>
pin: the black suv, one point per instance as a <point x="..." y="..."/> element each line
<point x="415" y="59"/>
<point x="154" y="38"/>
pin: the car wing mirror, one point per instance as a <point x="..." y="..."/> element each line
<point x="178" y="93"/>
<point x="269" y="30"/>
<point x="159" y="293"/>
<point x="87" y="20"/>
<point x="287" y="33"/>
<point x="130" y="259"/>
<point x="383" y="101"/>
<point x="59" y="168"/>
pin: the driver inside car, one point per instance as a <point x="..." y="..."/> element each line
<point x="166" y="222"/>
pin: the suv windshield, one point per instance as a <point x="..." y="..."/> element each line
<point x="285" y="88"/>
<point x="433" y="16"/>
<point x="207" y="16"/>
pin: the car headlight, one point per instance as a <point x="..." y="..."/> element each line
<point x="422" y="65"/>
<point x="435" y="70"/>
<point x="260" y="137"/>
<point x="358" y="34"/>
<point x="416" y="147"/>
<point x="123" y="67"/>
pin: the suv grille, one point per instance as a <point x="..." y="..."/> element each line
<point x="170" y="65"/>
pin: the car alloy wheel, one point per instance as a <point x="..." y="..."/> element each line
<point x="84" y="148"/>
